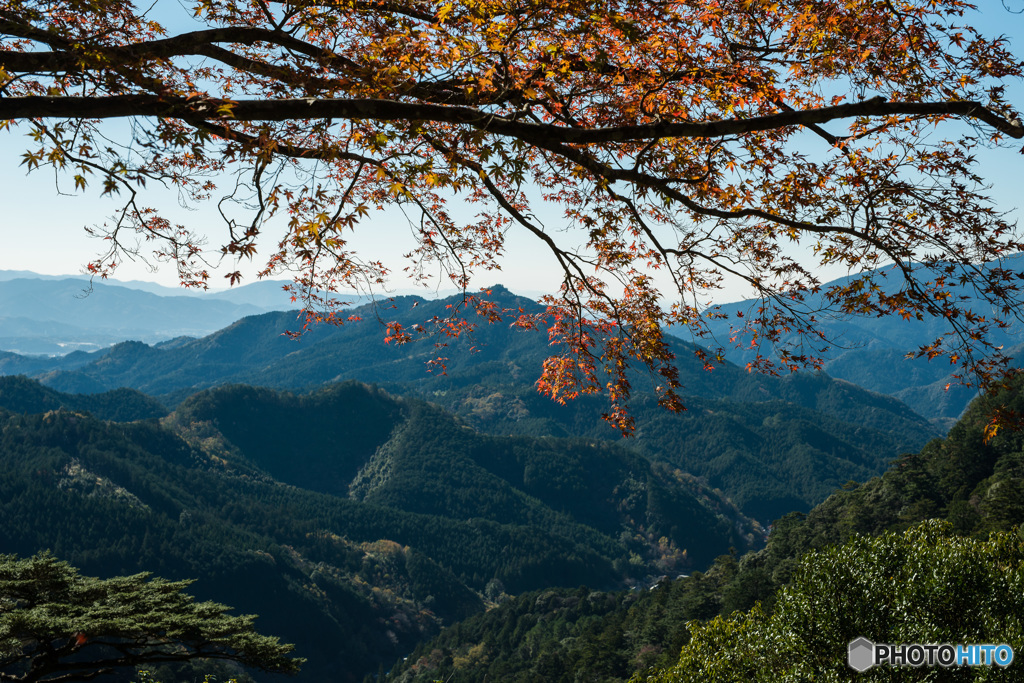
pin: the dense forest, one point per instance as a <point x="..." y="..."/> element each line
<point x="354" y="523"/>
<point x="973" y="485"/>
<point x="21" y="395"/>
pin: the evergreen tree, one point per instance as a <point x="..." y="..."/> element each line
<point x="56" y="625"/>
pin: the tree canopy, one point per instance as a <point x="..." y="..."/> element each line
<point x="56" y="625"/>
<point x="926" y="585"/>
<point x="684" y="144"/>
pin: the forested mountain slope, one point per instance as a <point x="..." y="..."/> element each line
<point x="967" y="478"/>
<point x="355" y="442"/>
<point x="19" y="394"/>
<point x="567" y="635"/>
<point x="772" y="444"/>
<point x="354" y="523"/>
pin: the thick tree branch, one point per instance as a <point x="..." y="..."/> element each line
<point x="32" y="107"/>
<point x="175" y="46"/>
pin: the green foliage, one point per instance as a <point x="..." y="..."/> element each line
<point x="925" y="585"/>
<point x="56" y="625"/>
<point x="569" y="634"/>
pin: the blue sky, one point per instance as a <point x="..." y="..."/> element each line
<point x="43" y="230"/>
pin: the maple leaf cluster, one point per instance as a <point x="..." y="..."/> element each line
<point x="686" y="143"/>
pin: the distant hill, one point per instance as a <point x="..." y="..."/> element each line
<point x="55" y="315"/>
<point x="50" y="337"/>
<point x="269" y="292"/>
<point x="18" y="394"/>
<point x="47" y="315"/>
<point x="771" y="444"/>
<point x="871" y="352"/>
<point x="354" y="523"/>
<point x="58" y="316"/>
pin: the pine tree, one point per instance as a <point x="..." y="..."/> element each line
<point x="56" y="625"/>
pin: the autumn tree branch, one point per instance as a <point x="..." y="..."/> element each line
<point x="121" y="106"/>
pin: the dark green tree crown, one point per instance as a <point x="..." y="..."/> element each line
<point x="56" y="625"/>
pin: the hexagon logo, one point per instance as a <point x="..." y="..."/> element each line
<point x="861" y="654"/>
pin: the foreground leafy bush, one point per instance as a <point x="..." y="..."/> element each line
<point x="925" y="585"/>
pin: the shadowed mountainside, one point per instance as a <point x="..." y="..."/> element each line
<point x="354" y="523"/>
<point x="772" y="444"/>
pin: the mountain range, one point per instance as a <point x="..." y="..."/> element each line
<point x="55" y="315"/>
<point x="771" y="444"/>
<point x="972" y="482"/>
<point x="48" y="315"/>
<point x="360" y="503"/>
